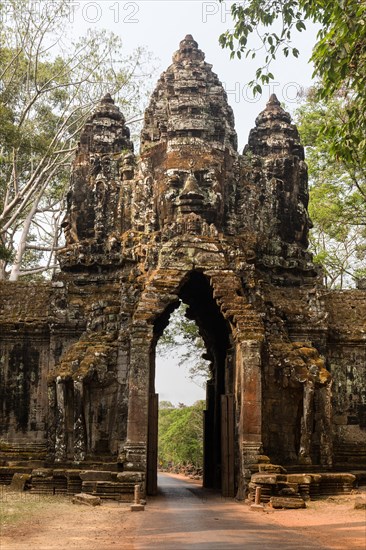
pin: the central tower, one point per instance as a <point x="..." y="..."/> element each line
<point x="188" y="143"/>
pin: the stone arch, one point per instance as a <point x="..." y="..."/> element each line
<point x="162" y="293"/>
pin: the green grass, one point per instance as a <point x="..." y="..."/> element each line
<point x="18" y="506"/>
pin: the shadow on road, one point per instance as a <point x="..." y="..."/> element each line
<point x="185" y="516"/>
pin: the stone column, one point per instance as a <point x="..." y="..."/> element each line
<point x="307" y="422"/>
<point x="79" y="422"/>
<point x="60" y="439"/>
<point x="52" y="421"/>
<point x="135" y="449"/>
<point x="249" y="386"/>
<point x="326" y="436"/>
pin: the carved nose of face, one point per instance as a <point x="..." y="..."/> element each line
<point x="191" y="198"/>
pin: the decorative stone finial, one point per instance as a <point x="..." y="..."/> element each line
<point x="273" y="100"/>
<point x="273" y="110"/>
<point x="276" y="140"/>
<point x="107" y="108"/>
<point x="105" y="131"/>
<point x="188" y="49"/>
<point x="274" y="133"/>
<point x="188" y="39"/>
<point x="189" y="102"/>
<point x="100" y="160"/>
<point x="107" y="99"/>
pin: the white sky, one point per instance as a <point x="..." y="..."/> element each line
<point x="172" y="382"/>
<point x="160" y="25"/>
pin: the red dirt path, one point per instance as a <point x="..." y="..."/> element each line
<point x="182" y="516"/>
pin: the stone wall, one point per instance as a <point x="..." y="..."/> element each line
<point x="24" y="362"/>
<point x="346" y="355"/>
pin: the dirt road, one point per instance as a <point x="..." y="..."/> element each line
<point x="184" y="516"/>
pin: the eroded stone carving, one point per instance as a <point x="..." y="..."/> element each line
<point x="301" y="364"/>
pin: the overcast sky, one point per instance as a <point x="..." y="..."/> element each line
<point x="160" y="25"/>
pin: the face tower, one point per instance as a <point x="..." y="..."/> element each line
<point x="189" y="143"/>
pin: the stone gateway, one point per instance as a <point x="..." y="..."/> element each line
<point x="188" y="220"/>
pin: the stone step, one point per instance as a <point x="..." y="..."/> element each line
<point x="7" y="473"/>
<point x="287" y="502"/>
<point x="110" y="490"/>
<point x="307" y="485"/>
<point x="30" y="446"/>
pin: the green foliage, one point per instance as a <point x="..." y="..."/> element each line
<point x="339" y="56"/>
<point x="5" y="254"/>
<point x="181" y="435"/>
<point x="337" y="193"/>
<point x="165" y="405"/>
<point x="49" y="85"/>
<point x="182" y="335"/>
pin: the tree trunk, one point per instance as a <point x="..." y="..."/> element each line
<point x="2" y="270"/>
<point x="15" y="270"/>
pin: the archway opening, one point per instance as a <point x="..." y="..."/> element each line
<point x="218" y="422"/>
<point x="180" y="381"/>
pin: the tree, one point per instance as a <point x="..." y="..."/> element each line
<point x="182" y="335"/>
<point x="165" y="405"/>
<point x="49" y="85"/>
<point x="339" y="56"/>
<point x="337" y="194"/>
<point x="181" y="435"/>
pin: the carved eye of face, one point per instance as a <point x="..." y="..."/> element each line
<point x="208" y="179"/>
<point x="174" y="181"/>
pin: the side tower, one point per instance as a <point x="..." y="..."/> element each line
<point x="274" y="196"/>
<point x="88" y="371"/>
<point x="93" y="220"/>
<point x="272" y="205"/>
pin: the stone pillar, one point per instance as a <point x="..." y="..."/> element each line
<point x="249" y="386"/>
<point x="79" y="422"/>
<point x="307" y="422"/>
<point x="326" y="439"/>
<point x="60" y="439"/>
<point x="134" y="456"/>
<point x="52" y="422"/>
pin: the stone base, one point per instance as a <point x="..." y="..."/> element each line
<point x="7" y="473"/>
<point x="88" y="500"/>
<point x="133" y="457"/>
<point x="59" y="481"/>
<point x="137" y="507"/>
<point x="305" y="486"/>
<point x="287" y="502"/>
<point x="19" y="482"/>
<point x="257" y="507"/>
<point x="110" y="490"/>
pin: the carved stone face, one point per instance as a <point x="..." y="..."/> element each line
<point x="184" y="192"/>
